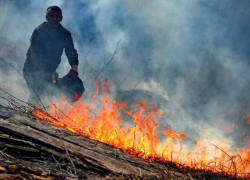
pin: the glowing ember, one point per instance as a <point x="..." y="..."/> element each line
<point x="102" y="121"/>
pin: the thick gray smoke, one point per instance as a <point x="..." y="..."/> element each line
<point x="193" y="53"/>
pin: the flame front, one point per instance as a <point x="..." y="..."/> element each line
<point x="102" y="121"/>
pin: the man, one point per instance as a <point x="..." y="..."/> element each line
<point x="44" y="55"/>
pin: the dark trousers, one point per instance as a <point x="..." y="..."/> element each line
<point x="40" y="85"/>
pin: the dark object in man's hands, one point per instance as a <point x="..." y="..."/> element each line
<point x="71" y="86"/>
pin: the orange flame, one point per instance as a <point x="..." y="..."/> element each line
<point x="247" y="117"/>
<point x="174" y="135"/>
<point x="102" y="121"/>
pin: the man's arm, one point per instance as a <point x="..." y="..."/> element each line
<point x="71" y="52"/>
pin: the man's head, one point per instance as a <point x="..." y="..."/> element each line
<point x="54" y="16"/>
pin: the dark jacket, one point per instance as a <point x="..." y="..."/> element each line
<point x="45" y="51"/>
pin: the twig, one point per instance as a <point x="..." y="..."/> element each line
<point x="73" y="165"/>
<point x="139" y="81"/>
<point x="25" y="80"/>
<point x="106" y="42"/>
<point x="127" y="161"/>
<point x="111" y="59"/>
<point x="190" y="176"/>
<point x="126" y="76"/>
<point x="229" y="157"/>
<point x="5" y="154"/>
<point x="15" y="103"/>
<point x="57" y="163"/>
<point x="65" y="114"/>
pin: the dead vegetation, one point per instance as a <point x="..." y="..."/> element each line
<point x="33" y="149"/>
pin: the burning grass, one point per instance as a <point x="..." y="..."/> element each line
<point x="99" y="119"/>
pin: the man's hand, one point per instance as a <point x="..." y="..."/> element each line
<point x="73" y="70"/>
<point x="74" y="67"/>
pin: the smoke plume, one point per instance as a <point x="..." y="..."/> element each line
<point x="195" y="54"/>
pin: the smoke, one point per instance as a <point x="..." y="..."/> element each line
<point x="194" y="53"/>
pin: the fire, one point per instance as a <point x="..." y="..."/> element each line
<point x="173" y="135"/>
<point x="100" y="119"/>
